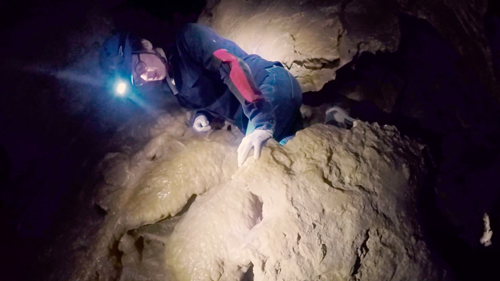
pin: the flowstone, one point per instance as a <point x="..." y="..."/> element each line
<point x="331" y="204"/>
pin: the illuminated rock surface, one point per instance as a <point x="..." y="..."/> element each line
<point x="115" y="236"/>
<point x="332" y="204"/>
<point x="340" y="30"/>
<point x="284" y="32"/>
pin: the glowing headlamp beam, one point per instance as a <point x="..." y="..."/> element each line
<point x="121" y="88"/>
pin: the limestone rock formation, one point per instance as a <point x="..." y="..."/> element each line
<point x="332" y="204"/>
<point x="311" y="38"/>
<point x="314" y="38"/>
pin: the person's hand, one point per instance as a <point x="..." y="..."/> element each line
<point x="255" y="140"/>
<point x="201" y="124"/>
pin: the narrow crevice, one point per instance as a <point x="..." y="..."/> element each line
<point x="187" y="206"/>
<point x="248" y="276"/>
<point x="139" y="245"/>
<point x="258" y="204"/>
<point x="115" y="254"/>
<point x="355" y="268"/>
<point x="316" y="63"/>
<point x="324" y="251"/>
<point x="360" y="254"/>
<point x="100" y="210"/>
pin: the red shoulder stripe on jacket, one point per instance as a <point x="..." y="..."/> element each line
<point x="237" y="75"/>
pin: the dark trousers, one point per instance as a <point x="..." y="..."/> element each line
<point x="283" y="91"/>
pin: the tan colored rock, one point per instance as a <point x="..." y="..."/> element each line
<point x="331" y="204"/>
<point x="311" y="38"/>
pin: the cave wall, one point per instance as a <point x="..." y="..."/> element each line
<point x="332" y="204"/>
<point x="311" y="38"/>
<point x="341" y="30"/>
<point x="57" y="125"/>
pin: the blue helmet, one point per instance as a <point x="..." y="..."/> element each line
<point x="115" y="56"/>
<point x="115" y="59"/>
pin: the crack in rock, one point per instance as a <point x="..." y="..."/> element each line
<point x="315" y="63"/>
<point x="361" y="252"/>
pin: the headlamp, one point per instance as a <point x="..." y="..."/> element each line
<point x="120" y="86"/>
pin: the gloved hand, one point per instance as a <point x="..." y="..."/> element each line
<point x="255" y="140"/>
<point x="201" y="124"/>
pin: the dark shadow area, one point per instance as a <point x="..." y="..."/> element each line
<point x="187" y="206"/>
<point x="55" y="130"/>
<point x="156" y="21"/>
<point x="248" y="276"/>
<point x="168" y="10"/>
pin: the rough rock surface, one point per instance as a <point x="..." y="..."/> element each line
<point x="283" y="31"/>
<point x="332" y="204"/>
<point x="38" y="97"/>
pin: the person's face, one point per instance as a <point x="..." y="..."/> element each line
<point x="147" y="67"/>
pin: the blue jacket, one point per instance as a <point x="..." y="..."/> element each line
<point x="203" y="80"/>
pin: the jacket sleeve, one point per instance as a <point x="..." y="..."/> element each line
<point x="223" y="56"/>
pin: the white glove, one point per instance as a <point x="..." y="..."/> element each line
<point x="255" y="140"/>
<point x="201" y="124"/>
